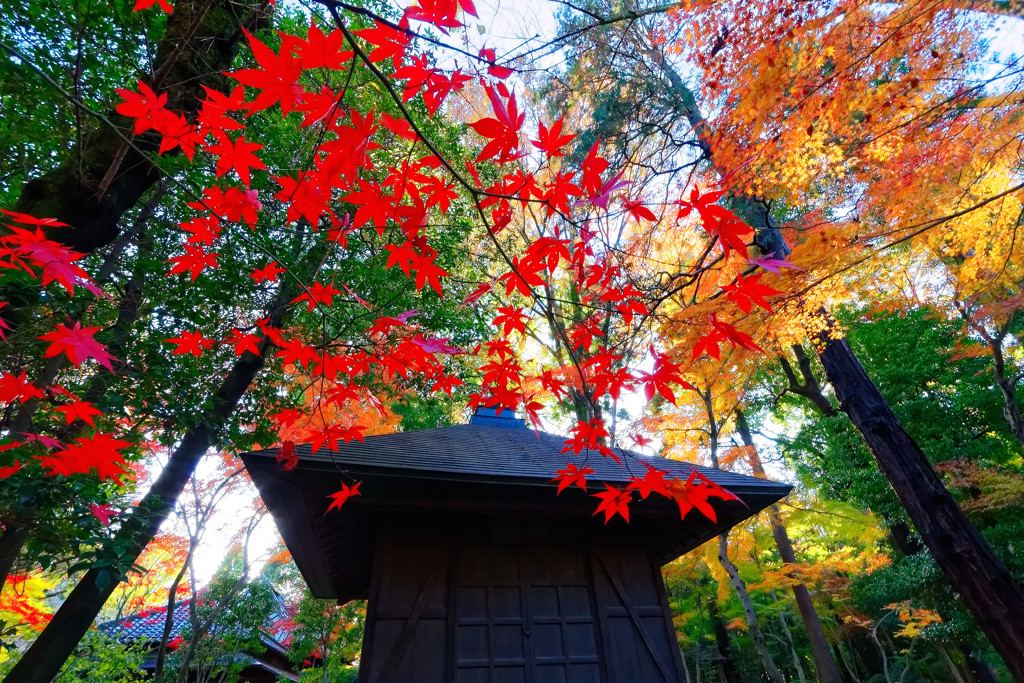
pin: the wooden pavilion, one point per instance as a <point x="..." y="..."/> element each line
<point x="475" y="571"/>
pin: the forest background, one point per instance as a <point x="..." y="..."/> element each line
<point x="722" y="208"/>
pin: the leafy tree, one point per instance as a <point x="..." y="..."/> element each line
<point x="309" y="244"/>
<point x="329" y="637"/>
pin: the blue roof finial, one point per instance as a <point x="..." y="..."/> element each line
<point x="491" y="418"/>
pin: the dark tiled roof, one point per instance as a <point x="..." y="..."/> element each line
<point x="486" y="451"/>
<point x="147" y="626"/>
<point x="494" y="467"/>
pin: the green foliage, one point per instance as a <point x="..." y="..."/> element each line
<point x="327" y="639"/>
<point x="941" y="395"/>
<point x="98" y="658"/>
<point x="228" y="619"/>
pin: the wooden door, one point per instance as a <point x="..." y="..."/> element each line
<point x="638" y="636"/>
<point x="523" y="615"/>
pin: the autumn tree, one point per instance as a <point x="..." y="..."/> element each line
<point x="316" y="235"/>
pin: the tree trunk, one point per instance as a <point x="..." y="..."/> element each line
<point x="102" y="178"/>
<point x="726" y="667"/>
<point x="43" y="660"/>
<point x="824" y="663"/>
<point x="975" y="573"/>
<point x="774" y="675"/>
<point x="1007" y="388"/>
<point x="14" y="538"/>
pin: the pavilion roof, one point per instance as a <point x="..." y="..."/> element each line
<point x="493" y="466"/>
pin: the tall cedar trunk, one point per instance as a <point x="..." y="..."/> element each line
<point x="43" y="660"/>
<point x="824" y="663"/>
<point x="774" y="675"/>
<point x="975" y="573"/>
<point x="103" y="177"/>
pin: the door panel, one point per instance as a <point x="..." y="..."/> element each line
<point x="524" y="614"/>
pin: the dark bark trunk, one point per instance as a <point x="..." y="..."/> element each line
<point x="824" y="664"/>
<point x="43" y="660"/>
<point x="13" y="539"/>
<point x="726" y="667"/>
<point x="103" y="177"/>
<point x="975" y="573"/>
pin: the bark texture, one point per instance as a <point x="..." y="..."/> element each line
<point x="985" y="586"/>
<point x="103" y="177"/>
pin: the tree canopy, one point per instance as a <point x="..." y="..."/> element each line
<point x="241" y="224"/>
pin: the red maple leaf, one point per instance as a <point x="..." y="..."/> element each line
<point x="338" y="498"/>
<point x="213" y="109"/>
<point x="572" y="475"/>
<point x="428" y="271"/>
<point x="191" y="342"/>
<point x="102" y="513"/>
<point x="477" y="293"/>
<point x="78" y="343"/>
<point x="586" y="435"/>
<point x="387" y="42"/>
<point x="17" y="388"/>
<point x="653" y="480"/>
<point x="399" y="127"/>
<point x="446" y="383"/>
<point x="747" y="291"/>
<point x="194" y="261"/>
<point x="500" y="72"/>
<point x="94" y="453"/>
<point x="287" y="456"/>
<point x="178" y="132"/>
<point x="551" y="140"/>
<point x="244" y="341"/>
<point x="440" y="13"/>
<point x="503" y="128"/>
<point x="322" y="51"/>
<point x="231" y="204"/>
<point x="637" y="210"/>
<point x="56" y="260"/>
<point x="146" y="4"/>
<point x="665" y="371"/>
<point x="521" y="278"/>
<point x="511" y="319"/>
<point x="305" y="195"/>
<point x="695" y="492"/>
<point x="277" y="76"/>
<point x="236" y="154"/>
<point x="79" y="410"/>
<point x="318" y="293"/>
<point x="613" y="501"/>
<point x="640" y="440"/>
<point x="146" y="107"/>
<point x="440" y="86"/>
<point x="717" y="220"/>
<point x="294" y="351"/>
<point x="267" y="273"/>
